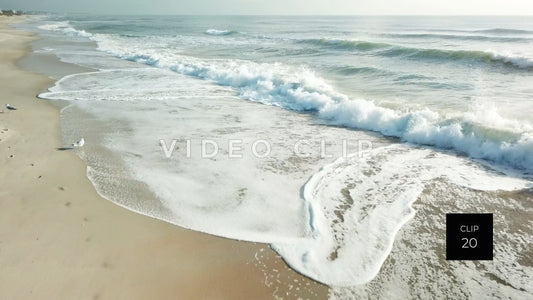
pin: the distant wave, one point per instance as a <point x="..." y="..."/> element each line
<point x="462" y="37"/>
<point x="390" y="50"/>
<point x="489" y="30"/>
<point x="505" y="31"/>
<point x="217" y="32"/>
<point x="341" y="44"/>
<point x="351" y="70"/>
<point x="65" y="28"/>
<point x="456" y="55"/>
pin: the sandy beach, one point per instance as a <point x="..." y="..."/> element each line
<point x="60" y="240"/>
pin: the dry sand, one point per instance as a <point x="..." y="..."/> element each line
<point x="60" y="240"/>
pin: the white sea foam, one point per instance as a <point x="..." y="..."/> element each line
<point x="219" y="32"/>
<point x="520" y="61"/>
<point x="65" y="28"/>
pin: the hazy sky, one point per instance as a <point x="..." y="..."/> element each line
<point x="292" y="7"/>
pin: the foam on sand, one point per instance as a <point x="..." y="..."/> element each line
<point x="341" y="228"/>
<point x="357" y="206"/>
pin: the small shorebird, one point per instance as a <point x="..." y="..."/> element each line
<point x="10" y="107"/>
<point x="79" y="143"/>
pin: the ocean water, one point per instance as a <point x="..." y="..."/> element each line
<point x="444" y="102"/>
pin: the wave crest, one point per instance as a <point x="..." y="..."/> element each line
<point x="390" y="50"/>
<point x="341" y="44"/>
<point x="505" y="31"/>
<point x="218" y="32"/>
<point x="65" y="28"/>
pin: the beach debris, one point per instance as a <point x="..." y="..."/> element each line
<point x="79" y="143"/>
<point x="10" y="107"/>
<point x="12" y="155"/>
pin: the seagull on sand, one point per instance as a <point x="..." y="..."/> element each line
<point x="79" y="143"/>
<point x="10" y="107"/>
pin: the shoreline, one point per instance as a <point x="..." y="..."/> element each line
<point x="60" y="239"/>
